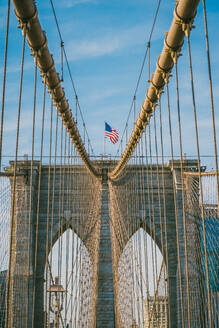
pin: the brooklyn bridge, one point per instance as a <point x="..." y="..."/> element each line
<point x="91" y="236"/>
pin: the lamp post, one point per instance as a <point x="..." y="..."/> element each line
<point x="56" y="294"/>
<point x="134" y="325"/>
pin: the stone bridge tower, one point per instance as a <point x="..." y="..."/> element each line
<point x="102" y="239"/>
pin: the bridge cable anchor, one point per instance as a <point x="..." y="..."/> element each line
<point x="25" y="23"/>
<point x="173" y="51"/>
<point x="186" y="24"/>
<point x="165" y="73"/>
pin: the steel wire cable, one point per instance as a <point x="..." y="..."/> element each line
<point x="77" y="264"/>
<point x="183" y="195"/>
<point x="143" y="203"/>
<point x="122" y="229"/>
<point x="158" y="183"/>
<point x="201" y="188"/>
<point x="137" y="241"/>
<point x="43" y="123"/>
<point x="4" y="80"/>
<point x="60" y="200"/>
<point x="211" y="92"/>
<point x="65" y="226"/>
<point x="164" y="203"/>
<point x="5" y="200"/>
<point x="137" y="244"/>
<point x="169" y="54"/>
<point x="152" y="223"/>
<point x="67" y="248"/>
<point x="134" y="249"/>
<point x="70" y="74"/>
<point x="31" y="189"/>
<point x="141" y="248"/>
<point x="51" y="214"/>
<point x="159" y="206"/>
<point x="135" y="271"/>
<point x="140" y="211"/>
<point x="153" y="311"/>
<point x="75" y="260"/>
<point x="72" y="234"/>
<point x="73" y="244"/>
<point x="48" y="210"/>
<point x="121" y="240"/>
<point x="141" y="69"/>
<point x="12" y="223"/>
<point x="212" y="231"/>
<point x="143" y="147"/>
<point x="65" y="111"/>
<point x="175" y="209"/>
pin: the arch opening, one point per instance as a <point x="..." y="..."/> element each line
<point x="142" y="284"/>
<point x="5" y="209"/>
<point x="70" y="267"/>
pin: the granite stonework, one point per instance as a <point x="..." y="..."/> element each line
<point x="25" y="280"/>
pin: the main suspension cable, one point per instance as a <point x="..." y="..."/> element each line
<point x="26" y="13"/>
<point x="147" y="50"/>
<point x="171" y="51"/>
<point x="69" y="69"/>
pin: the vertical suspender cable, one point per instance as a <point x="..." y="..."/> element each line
<point x="186" y="10"/>
<point x="26" y="13"/>
<point x="176" y="212"/>
<point x="212" y="98"/>
<point x="48" y="211"/>
<point x="9" y="285"/>
<point x="60" y="205"/>
<point x="164" y="206"/>
<point x="153" y="232"/>
<point x="31" y="190"/>
<point x="183" y="197"/>
<point x="4" y="81"/>
<point x="200" y="184"/>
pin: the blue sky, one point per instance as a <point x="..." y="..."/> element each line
<point x="105" y="42"/>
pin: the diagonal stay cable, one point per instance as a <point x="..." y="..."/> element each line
<point x="141" y="69"/>
<point x="69" y="69"/>
<point x="26" y="12"/>
<point x="184" y="15"/>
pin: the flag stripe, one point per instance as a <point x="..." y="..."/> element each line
<point x="111" y="133"/>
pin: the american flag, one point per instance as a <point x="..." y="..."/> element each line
<point x="111" y="133"/>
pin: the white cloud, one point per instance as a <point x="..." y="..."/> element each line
<point x="89" y="49"/>
<point x="3" y="13"/>
<point x="110" y="42"/>
<point x="107" y="93"/>
<point x="26" y="122"/>
<point x="72" y="3"/>
<point x="17" y="68"/>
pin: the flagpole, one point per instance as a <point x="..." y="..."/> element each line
<point x="104" y="143"/>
